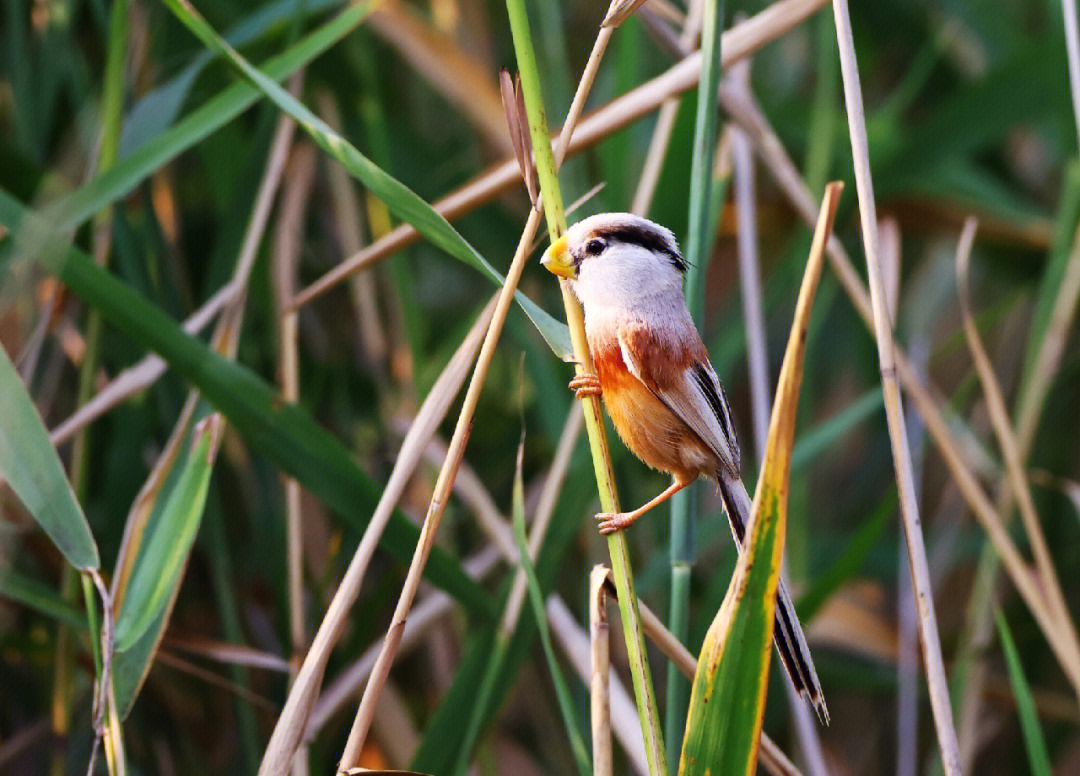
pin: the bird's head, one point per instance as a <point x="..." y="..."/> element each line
<point x="616" y="259"/>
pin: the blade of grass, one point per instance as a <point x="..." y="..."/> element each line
<point x="920" y="573"/>
<point x="728" y="699"/>
<point x="536" y="600"/>
<point x="158" y="567"/>
<point x="30" y="466"/>
<point x="74" y="209"/>
<point x="1038" y="756"/>
<point x="399" y="199"/>
<point x="155" y="111"/>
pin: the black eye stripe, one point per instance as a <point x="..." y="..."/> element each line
<point x="650" y="239"/>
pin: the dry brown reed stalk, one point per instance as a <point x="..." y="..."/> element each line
<point x="448" y="473"/>
<point x="770" y="756"/>
<point x="289" y="234"/>
<point x="956" y="455"/>
<point x="738" y="42"/>
<point x="293" y="719"/>
<point x="750" y="270"/>
<point x="433" y="518"/>
<point x="347" y="209"/>
<point x="600" y="652"/>
<point x="575" y="643"/>
<point x="1007" y="441"/>
<point x="933" y="662"/>
<point x="665" y="121"/>
<point x="907" y="625"/>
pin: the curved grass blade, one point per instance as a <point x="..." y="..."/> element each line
<point x="32" y="468"/>
<point x="1038" y="756"/>
<point x="284" y="433"/>
<point x="727" y="701"/>
<point x="402" y="201"/>
<point x="158" y="567"/>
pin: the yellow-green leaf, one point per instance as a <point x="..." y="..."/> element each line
<point x="727" y="702"/>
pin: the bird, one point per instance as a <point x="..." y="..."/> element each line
<point x="658" y="387"/>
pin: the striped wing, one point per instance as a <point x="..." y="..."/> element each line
<point x="689" y="389"/>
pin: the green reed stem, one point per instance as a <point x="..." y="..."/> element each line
<point x="605" y="480"/>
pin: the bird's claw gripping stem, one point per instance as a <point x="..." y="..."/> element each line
<point x="585" y="385"/>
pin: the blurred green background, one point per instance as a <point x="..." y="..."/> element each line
<point x="968" y="113"/>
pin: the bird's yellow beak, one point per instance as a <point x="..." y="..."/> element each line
<point x="558" y="261"/>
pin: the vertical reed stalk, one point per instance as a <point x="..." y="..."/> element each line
<point x="620" y="562"/>
<point x="684" y="505"/>
<point x="894" y="411"/>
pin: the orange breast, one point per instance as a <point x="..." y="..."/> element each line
<point x="652" y="432"/>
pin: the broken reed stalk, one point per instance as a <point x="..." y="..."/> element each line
<point x="599" y="636"/>
<point x="770" y="756"/>
<point x="937" y="683"/>
<point x="738" y="42"/>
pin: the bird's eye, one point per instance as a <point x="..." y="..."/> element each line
<point x="594" y="247"/>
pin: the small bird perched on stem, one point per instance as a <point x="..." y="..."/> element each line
<point x="658" y="386"/>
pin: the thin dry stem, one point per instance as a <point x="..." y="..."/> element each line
<point x="750" y="271"/>
<point x="738" y="42"/>
<point x="955" y="455"/>
<point x="443" y="485"/>
<point x="342" y="691"/>
<point x="288" y="240"/>
<point x="1010" y="448"/>
<point x="293" y="719"/>
<point x="599" y="669"/>
<point x="937" y="682"/>
<point x="289" y="234"/>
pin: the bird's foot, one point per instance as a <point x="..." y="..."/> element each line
<point x="610" y="522"/>
<point x="585" y="385"/>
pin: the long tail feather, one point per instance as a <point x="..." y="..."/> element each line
<point x="788" y="633"/>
